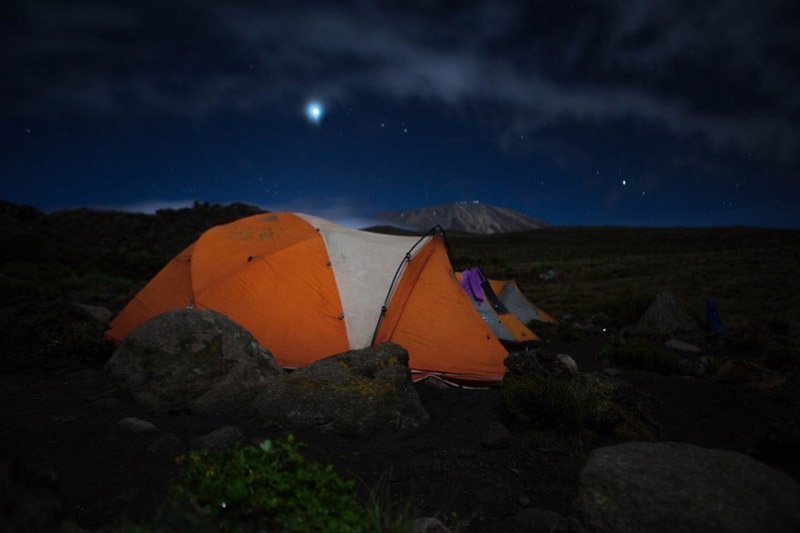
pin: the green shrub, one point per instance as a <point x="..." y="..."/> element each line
<point x="270" y="486"/>
<point x="551" y="402"/>
<point x="640" y="353"/>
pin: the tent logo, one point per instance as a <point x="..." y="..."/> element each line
<point x="250" y="234"/>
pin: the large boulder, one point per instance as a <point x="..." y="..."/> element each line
<point x="193" y="360"/>
<point x="665" y="316"/>
<point x="668" y="486"/>
<point x="354" y="393"/>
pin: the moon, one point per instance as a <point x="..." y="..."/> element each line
<point x="315" y="111"/>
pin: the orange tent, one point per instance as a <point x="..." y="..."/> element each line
<point x="307" y="288"/>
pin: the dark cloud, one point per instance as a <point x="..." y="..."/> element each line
<point x="721" y="73"/>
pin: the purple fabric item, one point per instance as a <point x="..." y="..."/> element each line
<point x="471" y="281"/>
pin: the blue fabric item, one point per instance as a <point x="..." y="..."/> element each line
<point x="713" y="318"/>
<point x="471" y="281"/>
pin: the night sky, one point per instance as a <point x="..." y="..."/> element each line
<point x="653" y="113"/>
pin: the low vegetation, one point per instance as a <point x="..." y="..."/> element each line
<point x="767" y="344"/>
<point x="642" y="353"/>
<point x="271" y="486"/>
<point x="553" y="402"/>
<point x="50" y="334"/>
<point x="750" y="272"/>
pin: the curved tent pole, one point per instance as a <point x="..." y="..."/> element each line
<point x="432" y="233"/>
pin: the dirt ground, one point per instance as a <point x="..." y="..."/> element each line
<point x="62" y="427"/>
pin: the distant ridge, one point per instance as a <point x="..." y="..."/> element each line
<point x="470" y="217"/>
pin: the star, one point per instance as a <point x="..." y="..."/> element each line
<point x="315" y="111"/>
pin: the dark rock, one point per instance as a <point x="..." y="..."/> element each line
<point x="136" y="425"/>
<point x="695" y="367"/>
<point x="666" y="316"/>
<point x="568" y="362"/>
<point x="670" y="486"/>
<point x="193" y="360"/>
<point x="467" y="451"/>
<point x="681" y="346"/>
<point x="533" y="362"/>
<point x="219" y="439"/>
<point x="613" y="372"/>
<point x="495" y="436"/>
<point x="550" y="275"/>
<point x="355" y="393"/>
<point x="68" y="526"/>
<point x="434" y="383"/>
<point x="98" y="312"/>
<point x="168" y="444"/>
<point x="428" y="525"/>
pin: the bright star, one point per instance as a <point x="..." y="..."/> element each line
<point x="315" y="111"/>
<point x="624" y="182"/>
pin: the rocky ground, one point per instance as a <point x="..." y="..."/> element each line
<point x="66" y="454"/>
<point x="77" y="450"/>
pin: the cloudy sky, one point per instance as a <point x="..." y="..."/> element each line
<point x="618" y="112"/>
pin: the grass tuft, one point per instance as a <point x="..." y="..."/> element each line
<point x="640" y="353"/>
<point x="551" y="402"/>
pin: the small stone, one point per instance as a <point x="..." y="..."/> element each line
<point x="681" y="346"/>
<point x="613" y="372"/>
<point x="219" y="439"/>
<point x="434" y="383"/>
<point x="68" y="526"/>
<point x="466" y="451"/>
<point x="568" y="362"/>
<point x="550" y="275"/>
<point x="136" y="425"/>
<point x="428" y="524"/>
<point x="98" y="312"/>
<point x="697" y="367"/>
